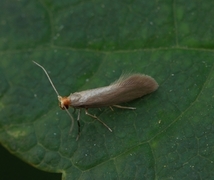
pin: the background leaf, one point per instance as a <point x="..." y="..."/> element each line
<point x="85" y="44"/>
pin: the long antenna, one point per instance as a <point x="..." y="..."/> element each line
<point x="59" y="97"/>
<point x="48" y="77"/>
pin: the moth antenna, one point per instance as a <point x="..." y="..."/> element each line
<point x="72" y="119"/>
<point x="48" y="77"/>
<point x="59" y="97"/>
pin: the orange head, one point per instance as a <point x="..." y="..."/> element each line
<point x="64" y="102"/>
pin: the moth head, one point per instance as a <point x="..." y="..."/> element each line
<point x="64" y="102"/>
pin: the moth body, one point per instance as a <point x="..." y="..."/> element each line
<point x="123" y="90"/>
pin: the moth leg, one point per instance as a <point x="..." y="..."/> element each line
<point x="74" y="110"/>
<point x="124" y="107"/>
<point x="111" y="108"/>
<point x="95" y="117"/>
<point x="78" y="123"/>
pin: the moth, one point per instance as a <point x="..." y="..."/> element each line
<point x="126" y="88"/>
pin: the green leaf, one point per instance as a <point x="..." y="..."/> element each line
<point x="84" y="45"/>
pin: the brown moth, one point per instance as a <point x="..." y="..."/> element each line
<point x="125" y="89"/>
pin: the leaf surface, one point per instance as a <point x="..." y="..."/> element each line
<point x="85" y="45"/>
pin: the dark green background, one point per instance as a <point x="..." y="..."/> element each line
<point x="88" y="44"/>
